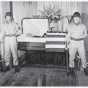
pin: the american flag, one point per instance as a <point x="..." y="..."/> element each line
<point x="55" y="42"/>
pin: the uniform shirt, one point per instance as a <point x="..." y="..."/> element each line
<point x="76" y="31"/>
<point x="10" y="29"/>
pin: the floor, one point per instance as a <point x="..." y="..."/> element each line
<point x="40" y="75"/>
<point x="82" y="79"/>
<point x="36" y="76"/>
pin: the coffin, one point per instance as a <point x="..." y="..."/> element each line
<point x="32" y="37"/>
<point x="51" y="43"/>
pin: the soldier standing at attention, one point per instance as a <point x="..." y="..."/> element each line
<point x="10" y="31"/>
<point x="77" y="32"/>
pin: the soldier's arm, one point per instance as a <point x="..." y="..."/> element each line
<point x="82" y="37"/>
<point x="85" y="32"/>
<point x="2" y="33"/>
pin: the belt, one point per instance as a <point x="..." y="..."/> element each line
<point x="8" y="35"/>
<point x="80" y="39"/>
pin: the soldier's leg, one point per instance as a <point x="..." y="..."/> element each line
<point x="7" y="55"/>
<point x="7" y="52"/>
<point x="72" y="52"/>
<point x="82" y="54"/>
<point x="14" y="52"/>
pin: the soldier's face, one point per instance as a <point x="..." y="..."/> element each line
<point x="8" y="19"/>
<point x="76" y="20"/>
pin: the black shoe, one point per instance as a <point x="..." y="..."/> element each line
<point x="17" y="68"/>
<point x="86" y="71"/>
<point x="5" y="68"/>
<point x="71" y="72"/>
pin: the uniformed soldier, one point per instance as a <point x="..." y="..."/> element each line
<point x="10" y="31"/>
<point x="75" y="39"/>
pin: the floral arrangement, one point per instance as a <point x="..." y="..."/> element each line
<point x="50" y="12"/>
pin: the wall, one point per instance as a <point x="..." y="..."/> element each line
<point x="67" y="8"/>
<point x="5" y="8"/>
<point x="85" y="21"/>
<point x="23" y="9"/>
<point x="85" y="13"/>
<point x="27" y="9"/>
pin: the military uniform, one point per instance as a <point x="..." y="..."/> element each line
<point x="9" y="32"/>
<point x="76" y="34"/>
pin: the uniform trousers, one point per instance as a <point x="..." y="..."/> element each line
<point x="10" y="45"/>
<point x="74" y="47"/>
